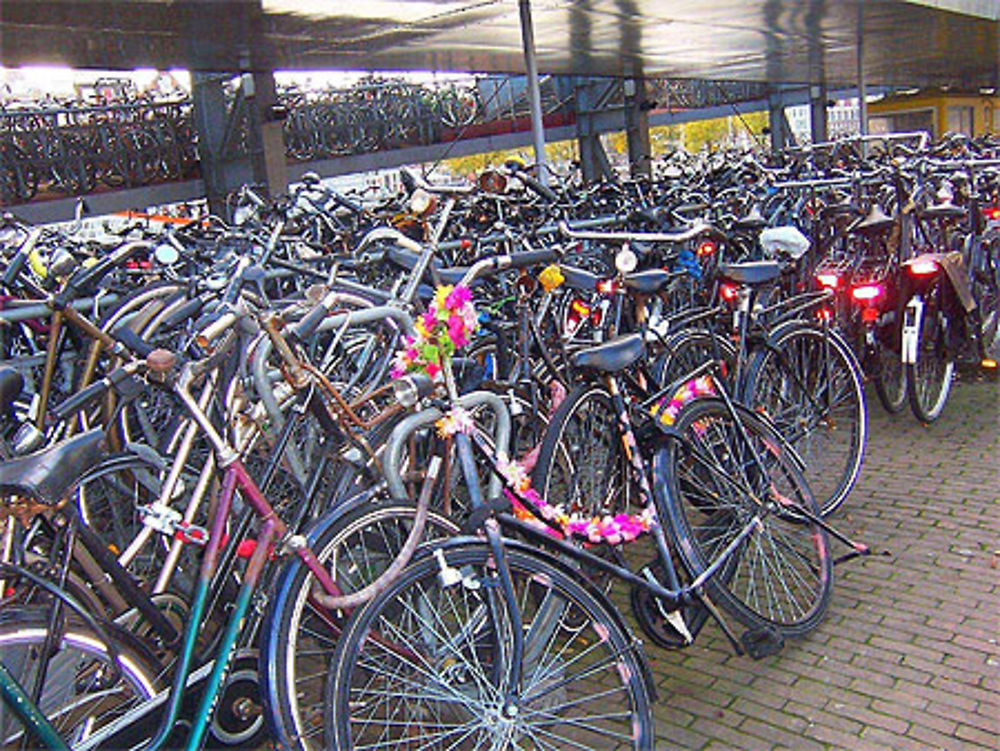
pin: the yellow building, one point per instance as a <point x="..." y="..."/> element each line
<point x="937" y="112"/>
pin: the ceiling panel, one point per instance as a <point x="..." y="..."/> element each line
<point x="907" y="42"/>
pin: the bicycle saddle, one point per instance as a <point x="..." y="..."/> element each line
<point x="612" y="356"/>
<point x="11" y="383"/>
<point x="751" y="273"/>
<point x="648" y="282"/>
<point x="753" y="220"/>
<point x="47" y="475"/>
<point x="876" y="220"/>
<point x="579" y="279"/>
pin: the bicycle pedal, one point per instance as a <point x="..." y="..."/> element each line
<point x="762" y="642"/>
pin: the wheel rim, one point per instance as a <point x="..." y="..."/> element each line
<point x="780" y="573"/>
<point x="577" y="691"/>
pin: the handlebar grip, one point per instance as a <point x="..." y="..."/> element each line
<point x="133" y="341"/>
<point x="73" y="404"/>
<point x="306" y="327"/>
<point x="533" y="258"/>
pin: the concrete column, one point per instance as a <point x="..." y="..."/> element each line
<point x="267" y="156"/>
<point x="210" y="115"/>
<point x="593" y="159"/>
<point x="817" y="113"/>
<point x="640" y="151"/>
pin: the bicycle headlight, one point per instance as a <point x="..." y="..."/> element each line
<point x="626" y="260"/>
<point x="410" y="389"/>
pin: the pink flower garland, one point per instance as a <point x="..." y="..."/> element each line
<point x="447" y="326"/>
<point x="613" y="530"/>
<point x="666" y="410"/>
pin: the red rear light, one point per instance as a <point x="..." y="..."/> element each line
<point x="705" y="248"/>
<point x="992" y="213"/>
<point x="729" y="292"/>
<point x="922" y="267"/>
<point x="867" y="292"/>
<point x="828" y="279"/>
<point x="869" y="314"/>
<point x="607" y="286"/>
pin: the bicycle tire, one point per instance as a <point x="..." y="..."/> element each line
<point x="686" y="350"/>
<point x="928" y="380"/>
<point x="581" y="463"/>
<point x="890" y="379"/>
<point x="81" y="667"/>
<point x="298" y="635"/>
<point x="582" y="686"/>
<point x="710" y="486"/>
<point x="812" y="397"/>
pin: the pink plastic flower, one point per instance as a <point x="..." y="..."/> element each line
<point x="458" y="297"/>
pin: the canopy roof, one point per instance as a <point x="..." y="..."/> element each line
<point x="907" y="42"/>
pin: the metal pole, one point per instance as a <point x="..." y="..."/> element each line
<point x="862" y="86"/>
<point x="534" y="94"/>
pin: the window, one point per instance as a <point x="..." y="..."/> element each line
<point x="960" y="120"/>
<point x="902" y="122"/>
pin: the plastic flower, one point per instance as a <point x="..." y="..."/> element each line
<point x="457" y="420"/>
<point x="667" y="410"/>
<point x="446" y="326"/>
<point x="551" y="277"/>
<point x="530" y="507"/>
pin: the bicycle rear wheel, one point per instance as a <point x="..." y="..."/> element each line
<point x="425" y="663"/>
<point x="807" y="381"/>
<point x="928" y="380"/>
<point x="781" y="575"/>
<point x="890" y="379"/>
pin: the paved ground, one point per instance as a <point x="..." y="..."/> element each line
<point x="908" y="657"/>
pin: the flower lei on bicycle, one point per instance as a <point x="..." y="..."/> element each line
<point x="447" y="326"/>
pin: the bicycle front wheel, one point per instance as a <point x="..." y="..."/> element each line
<point x="83" y="689"/>
<point x="298" y="642"/>
<point x="807" y="381"/>
<point x="715" y="482"/>
<point x="426" y="663"/>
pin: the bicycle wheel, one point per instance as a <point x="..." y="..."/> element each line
<point x="986" y="291"/>
<point x="782" y="574"/>
<point x="928" y="380"/>
<point x="425" y="663"/>
<point x="301" y="635"/>
<point x="808" y="382"/>
<point x="688" y="350"/>
<point x="581" y="463"/>
<point x="83" y="690"/>
<point x="890" y="379"/>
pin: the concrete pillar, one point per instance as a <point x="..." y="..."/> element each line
<point x="817" y="113"/>
<point x="210" y="116"/>
<point x="640" y="151"/>
<point x="267" y="155"/>
<point x="593" y="159"/>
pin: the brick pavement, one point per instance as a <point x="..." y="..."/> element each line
<point x="908" y="657"/>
